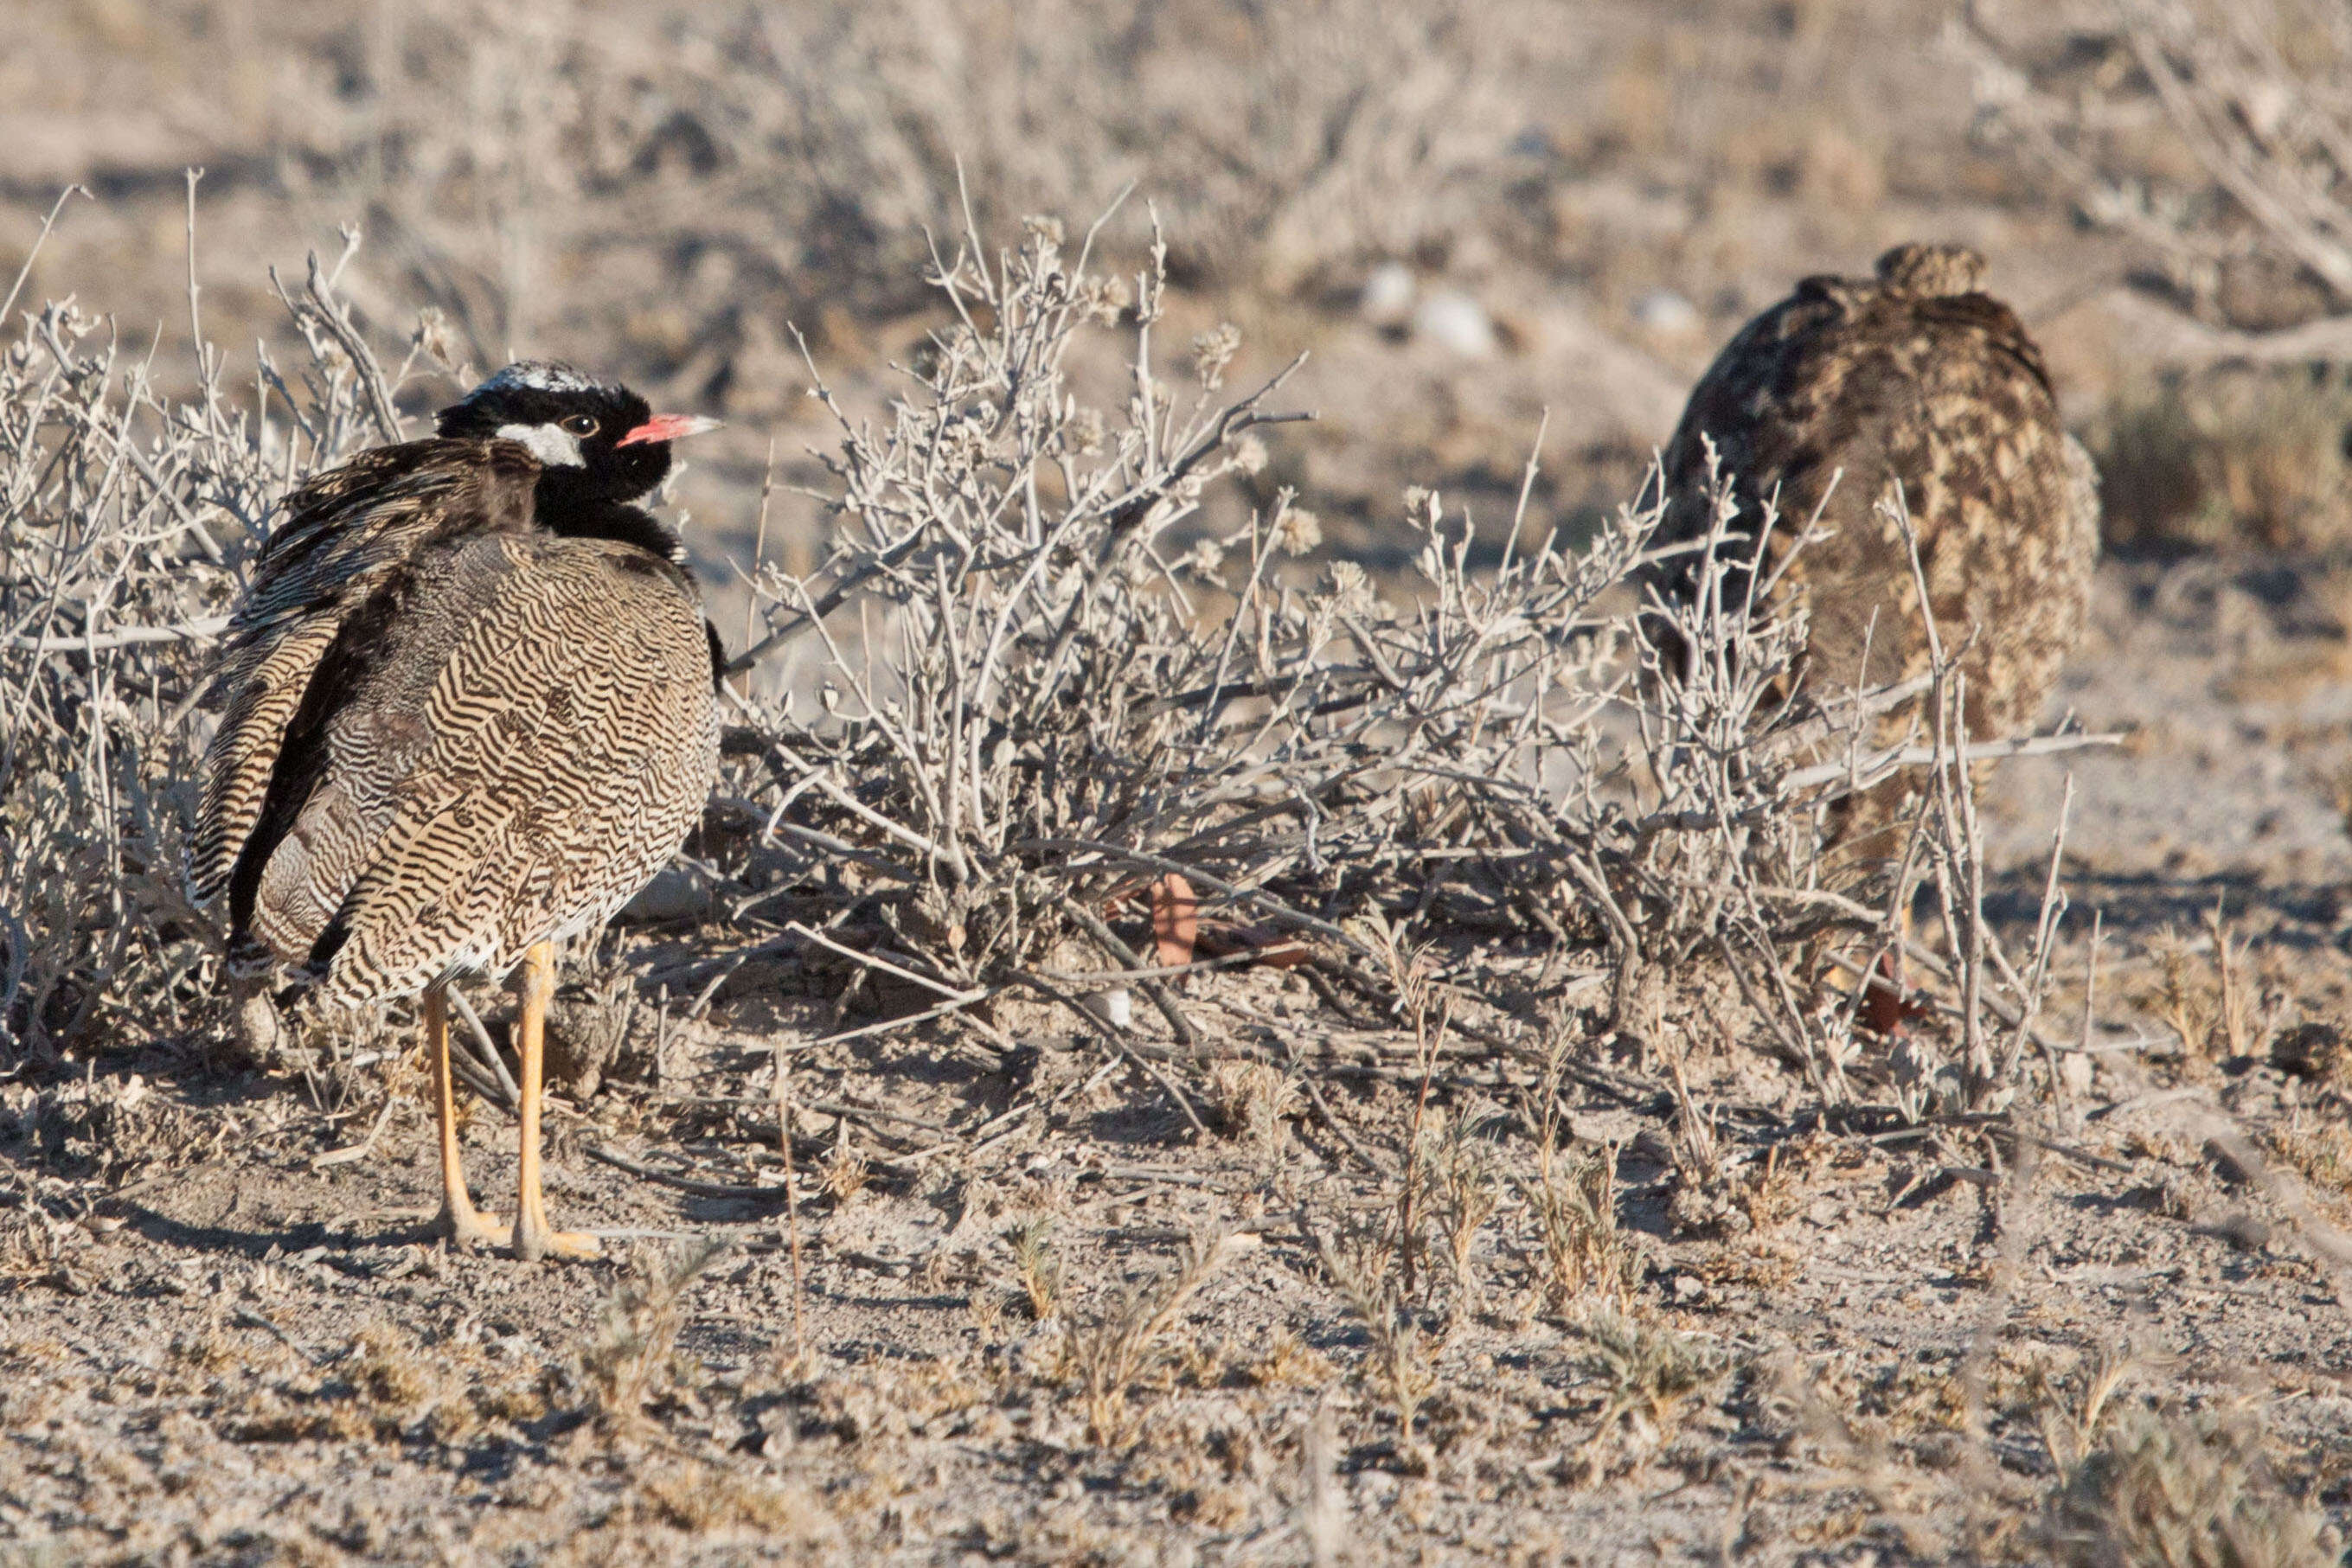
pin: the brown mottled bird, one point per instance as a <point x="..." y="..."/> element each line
<point x="1830" y="400"/>
<point x="468" y="711"/>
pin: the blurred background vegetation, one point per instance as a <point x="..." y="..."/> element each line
<point x="1467" y="215"/>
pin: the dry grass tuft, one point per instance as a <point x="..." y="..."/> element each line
<point x="1586" y="1255"/>
<point x="626" y="1365"/>
<point x="2168" y="1490"/>
<point x="1108" y="1353"/>
<point x="2320" y="1146"/>
<point x="1366" y="1271"/>
<point x="1255" y="1102"/>
<point x="1650" y="1373"/>
<point x="1038" y="1266"/>
<point x="2206" y="993"/>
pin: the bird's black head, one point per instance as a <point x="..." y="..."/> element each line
<point x="595" y="441"/>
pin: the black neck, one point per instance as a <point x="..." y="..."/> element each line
<point x="613" y="521"/>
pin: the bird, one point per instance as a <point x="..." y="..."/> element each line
<point x="1824" y="405"/>
<point x="1917" y="383"/>
<point x="468" y="709"/>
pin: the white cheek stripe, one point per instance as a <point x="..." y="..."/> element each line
<point x="551" y="444"/>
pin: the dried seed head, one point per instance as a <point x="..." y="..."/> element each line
<point x="1351" y="589"/>
<point x="1206" y="560"/>
<point x="1249" y="455"/>
<point x="431" y="336"/>
<point x="1102" y="299"/>
<point x="1212" y="351"/>
<point x="1296" y="530"/>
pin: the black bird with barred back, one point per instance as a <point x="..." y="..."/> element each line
<point x="466" y="713"/>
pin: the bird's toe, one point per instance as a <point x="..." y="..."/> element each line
<point x="575" y="1245"/>
<point x="472" y="1228"/>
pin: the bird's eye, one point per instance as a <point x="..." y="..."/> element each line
<point x="581" y="424"/>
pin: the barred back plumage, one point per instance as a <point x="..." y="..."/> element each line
<point x="348" y="535"/>
<point x="535" y="739"/>
<point x="1851" y="387"/>
<point x="468" y="711"/>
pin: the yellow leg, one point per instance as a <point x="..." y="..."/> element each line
<point x="460" y="1220"/>
<point x="535" y="982"/>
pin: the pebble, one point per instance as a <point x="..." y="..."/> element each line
<point x="1666" y="312"/>
<point x="1387" y="297"/>
<point x="1459" y="322"/>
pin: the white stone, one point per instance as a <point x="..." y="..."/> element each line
<point x="1459" y="322"/>
<point x="1664" y="311"/>
<point x="1387" y="297"/>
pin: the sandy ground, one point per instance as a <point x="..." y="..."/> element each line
<point x="222" y="1346"/>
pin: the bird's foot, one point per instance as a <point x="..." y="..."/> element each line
<point x="469" y="1227"/>
<point x="536" y="1241"/>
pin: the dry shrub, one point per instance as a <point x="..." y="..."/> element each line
<point x="2243" y="202"/>
<point x="2168" y="1490"/>
<point x="126" y="518"/>
<point x="1034" y="694"/>
<point x="731" y="168"/>
<point x="1288" y="137"/>
<point x="1031" y="702"/>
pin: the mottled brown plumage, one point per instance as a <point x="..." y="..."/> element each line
<point x="1916" y="378"/>
<point x="467" y="712"/>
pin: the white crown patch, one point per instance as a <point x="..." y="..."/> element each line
<point x="539" y="375"/>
